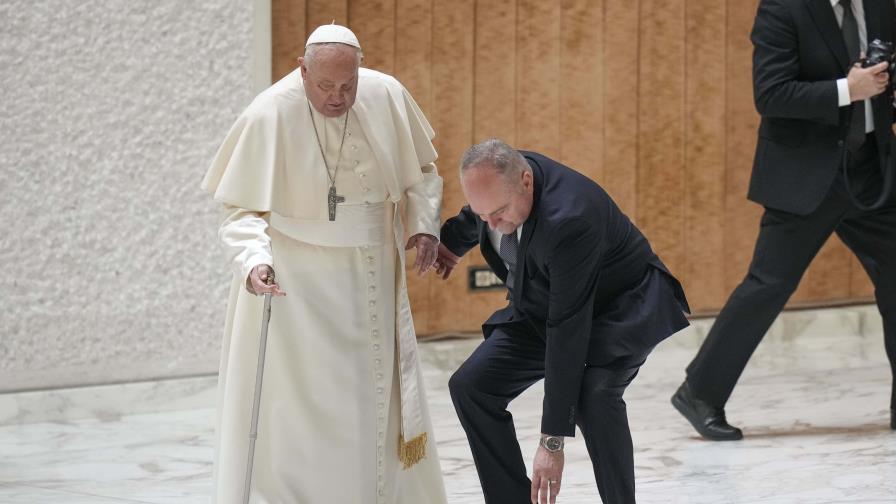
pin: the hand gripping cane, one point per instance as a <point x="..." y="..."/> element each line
<point x="259" y="376"/>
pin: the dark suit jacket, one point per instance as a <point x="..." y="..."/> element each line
<point x="578" y="254"/>
<point x="798" y="56"/>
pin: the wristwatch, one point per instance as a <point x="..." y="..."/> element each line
<point x="552" y="444"/>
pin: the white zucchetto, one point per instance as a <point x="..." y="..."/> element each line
<point x="333" y="33"/>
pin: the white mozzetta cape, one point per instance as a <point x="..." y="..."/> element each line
<point x="255" y="167"/>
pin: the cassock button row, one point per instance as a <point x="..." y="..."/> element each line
<point x="376" y="333"/>
<point x="373" y="318"/>
<point x="376" y="347"/>
<point x="379" y="390"/>
<point x="370" y="259"/>
<point x="377" y="361"/>
<point x="371" y="274"/>
<point x="372" y="288"/>
<point x="372" y="303"/>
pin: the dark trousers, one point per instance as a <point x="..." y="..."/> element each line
<point x="500" y="369"/>
<point x="785" y="247"/>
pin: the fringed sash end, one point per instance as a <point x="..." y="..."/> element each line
<point x="412" y="451"/>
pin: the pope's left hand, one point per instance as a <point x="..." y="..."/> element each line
<point x="427" y="250"/>
<point x="547" y="471"/>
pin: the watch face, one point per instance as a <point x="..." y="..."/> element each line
<point x="553" y="443"/>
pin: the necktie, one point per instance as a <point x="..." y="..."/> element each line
<point x="850" y="29"/>
<point x="508" y="249"/>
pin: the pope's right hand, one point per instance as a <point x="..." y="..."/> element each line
<point x="257" y="283"/>
<point x="445" y="262"/>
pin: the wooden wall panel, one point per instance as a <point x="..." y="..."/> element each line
<point x="582" y="86"/>
<point x="661" y="129"/>
<point x="825" y="276"/>
<point x="742" y="121"/>
<point x="538" y="76"/>
<point x="373" y="21"/>
<point x="321" y="12"/>
<point x="495" y="78"/>
<point x="704" y="210"/>
<point x="651" y="98"/>
<point x="451" y="114"/>
<point x="411" y="61"/>
<point x="621" y="121"/>
<point x="413" y="48"/>
<point x="288" y="29"/>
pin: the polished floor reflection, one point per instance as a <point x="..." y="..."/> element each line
<point x="812" y="403"/>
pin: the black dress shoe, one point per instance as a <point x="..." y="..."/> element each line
<point x="708" y="420"/>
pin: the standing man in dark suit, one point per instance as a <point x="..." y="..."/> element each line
<point x="825" y="143"/>
<point x="588" y="301"/>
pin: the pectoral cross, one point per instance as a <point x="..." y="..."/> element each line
<point x="332" y="200"/>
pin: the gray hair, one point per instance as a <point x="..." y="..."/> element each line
<point x="496" y="154"/>
<point x="312" y="50"/>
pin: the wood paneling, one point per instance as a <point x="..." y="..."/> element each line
<point x="411" y="61"/>
<point x="451" y="114"/>
<point x="373" y="21"/>
<point x="651" y="98"/>
<point x="321" y="12"/>
<point x="582" y="85"/>
<point x="621" y="121"/>
<point x="288" y="32"/>
<point x="704" y="166"/>
<point x="661" y="129"/>
<point x="741" y="223"/>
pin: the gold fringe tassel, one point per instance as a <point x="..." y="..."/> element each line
<point x="412" y="451"/>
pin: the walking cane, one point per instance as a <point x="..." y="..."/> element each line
<point x="259" y="376"/>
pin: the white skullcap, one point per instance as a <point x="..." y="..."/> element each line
<point x="333" y="33"/>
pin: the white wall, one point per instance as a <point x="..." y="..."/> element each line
<point x="111" y="111"/>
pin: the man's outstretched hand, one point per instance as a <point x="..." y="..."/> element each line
<point x="445" y="262"/>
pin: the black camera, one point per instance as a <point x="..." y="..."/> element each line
<point x="880" y="52"/>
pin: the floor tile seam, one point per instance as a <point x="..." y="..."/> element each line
<point x="12" y="484"/>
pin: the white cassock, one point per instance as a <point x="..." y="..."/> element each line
<point x="343" y="415"/>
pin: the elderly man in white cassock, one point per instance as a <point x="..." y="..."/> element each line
<point x="326" y="179"/>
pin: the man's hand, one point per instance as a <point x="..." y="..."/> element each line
<point x="257" y="281"/>
<point x="547" y="471"/>
<point x="868" y="82"/>
<point x="427" y="249"/>
<point x="446" y="262"/>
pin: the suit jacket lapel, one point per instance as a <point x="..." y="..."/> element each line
<point x="528" y="229"/>
<point x="826" y="21"/>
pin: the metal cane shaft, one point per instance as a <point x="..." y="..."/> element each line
<point x="259" y="377"/>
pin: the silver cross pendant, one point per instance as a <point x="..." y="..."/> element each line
<point x="332" y="200"/>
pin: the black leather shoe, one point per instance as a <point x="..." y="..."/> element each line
<point x="708" y="420"/>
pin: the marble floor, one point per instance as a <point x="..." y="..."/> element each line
<point x="813" y="405"/>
